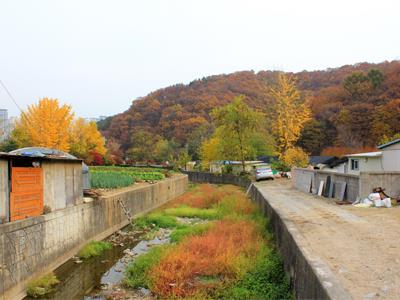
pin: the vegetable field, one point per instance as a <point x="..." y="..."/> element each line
<point x="116" y="177"/>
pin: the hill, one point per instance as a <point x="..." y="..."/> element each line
<point x="352" y="106"/>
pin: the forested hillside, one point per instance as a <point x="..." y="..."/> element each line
<point x="353" y="106"/>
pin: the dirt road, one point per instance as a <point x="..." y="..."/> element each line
<point x="360" y="245"/>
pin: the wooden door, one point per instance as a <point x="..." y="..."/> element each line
<point x="26" y="197"/>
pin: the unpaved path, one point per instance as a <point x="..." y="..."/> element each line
<point x="360" y="245"/>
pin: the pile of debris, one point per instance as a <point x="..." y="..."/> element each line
<point x="378" y="198"/>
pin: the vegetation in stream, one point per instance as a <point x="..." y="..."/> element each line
<point x="42" y="286"/>
<point x="228" y="254"/>
<point x="94" y="248"/>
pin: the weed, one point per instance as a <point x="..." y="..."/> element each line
<point x="179" y="234"/>
<point x="42" y="286"/>
<point x="137" y="272"/>
<point x="158" y="219"/>
<point x="192" y="212"/>
<point x="94" y="248"/>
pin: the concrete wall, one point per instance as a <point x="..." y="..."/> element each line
<point x="204" y="177"/>
<point x="32" y="247"/>
<point x="388" y="180"/>
<point x="310" y="277"/>
<point x="303" y="177"/>
<point x="4" y="191"/>
<point x="62" y="184"/>
<point x="391" y="158"/>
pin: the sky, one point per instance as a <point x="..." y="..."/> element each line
<point x="99" y="56"/>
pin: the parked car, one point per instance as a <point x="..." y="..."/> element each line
<point x="264" y="173"/>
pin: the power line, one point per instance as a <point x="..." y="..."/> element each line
<point x="11" y="96"/>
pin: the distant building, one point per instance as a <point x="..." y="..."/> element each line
<point x="6" y="125"/>
<point x="98" y="119"/>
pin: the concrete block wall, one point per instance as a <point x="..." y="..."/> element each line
<point x="388" y="180"/>
<point x="303" y="177"/>
<point x="62" y="184"/>
<point x="32" y="247"/>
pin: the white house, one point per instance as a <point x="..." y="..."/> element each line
<point x="385" y="160"/>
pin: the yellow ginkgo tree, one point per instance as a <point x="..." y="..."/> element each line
<point x="45" y="124"/>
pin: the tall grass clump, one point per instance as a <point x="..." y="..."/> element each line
<point x="137" y="272"/>
<point x="42" y="286"/>
<point x="94" y="248"/>
<point x="193" y="212"/>
<point x="156" y="219"/>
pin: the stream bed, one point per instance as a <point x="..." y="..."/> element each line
<point x="101" y="277"/>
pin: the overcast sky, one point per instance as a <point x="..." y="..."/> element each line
<point x="98" y="55"/>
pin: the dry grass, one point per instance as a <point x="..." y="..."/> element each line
<point x="222" y="253"/>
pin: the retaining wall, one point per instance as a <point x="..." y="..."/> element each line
<point x="204" y="177"/>
<point x="32" y="247"/>
<point x="309" y="276"/>
<point x="303" y="178"/>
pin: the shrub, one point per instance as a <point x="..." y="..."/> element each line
<point x="42" y="286"/>
<point x="94" y="248"/>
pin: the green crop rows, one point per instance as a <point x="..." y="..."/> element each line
<point x="116" y="177"/>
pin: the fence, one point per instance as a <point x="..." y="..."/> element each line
<point x="204" y="177"/>
<point x="307" y="181"/>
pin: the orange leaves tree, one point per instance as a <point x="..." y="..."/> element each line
<point x="45" y="124"/>
<point x="51" y="125"/>
<point x="85" y="140"/>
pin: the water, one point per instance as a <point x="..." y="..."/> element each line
<point x="90" y="278"/>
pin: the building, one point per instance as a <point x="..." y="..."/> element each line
<point x="34" y="181"/>
<point x="6" y="125"/>
<point x="234" y="167"/>
<point x="385" y="160"/>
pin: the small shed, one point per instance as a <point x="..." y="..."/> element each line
<point x="33" y="182"/>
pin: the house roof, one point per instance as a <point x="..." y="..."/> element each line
<point x="366" y="154"/>
<point x="315" y="160"/>
<point x="389" y="144"/>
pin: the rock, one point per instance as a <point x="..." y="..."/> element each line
<point x="78" y="261"/>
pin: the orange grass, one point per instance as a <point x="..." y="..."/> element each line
<point x="204" y="196"/>
<point x="223" y="252"/>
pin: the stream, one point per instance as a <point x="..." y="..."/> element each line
<point x="100" y="277"/>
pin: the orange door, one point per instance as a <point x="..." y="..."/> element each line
<point x="26" y="197"/>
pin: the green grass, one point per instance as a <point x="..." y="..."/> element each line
<point x="160" y="220"/>
<point x="265" y="279"/>
<point x="136" y="272"/>
<point x="42" y="286"/>
<point x="180" y="233"/>
<point x="192" y="212"/>
<point x="94" y="248"/>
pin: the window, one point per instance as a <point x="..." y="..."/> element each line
<point x="354" y="165"/>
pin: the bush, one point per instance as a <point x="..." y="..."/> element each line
<point x="42" y="286"/>
<point x="94" y="248"/>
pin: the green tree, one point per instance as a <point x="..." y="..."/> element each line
<point x="376" y="78"/>
<point x="313" y="137"/>
<point x="236" y="123"/>
<point x="142" y="146"/>
<point x="183" y="158"/>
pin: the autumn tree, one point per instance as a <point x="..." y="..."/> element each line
<point x="236" y="123"/>
<point x="295" y="157"/>
<point x="210" y="151"/>
<point x="290" y="112"/>
<point x="313" y="137"/>
<point x="85" y="140"/>
<point x="45" y="124"/>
